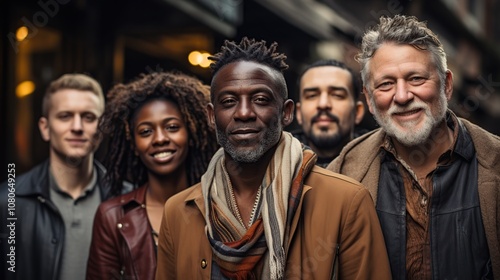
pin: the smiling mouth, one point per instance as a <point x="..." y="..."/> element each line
<point x="407" y="113"/>
<point x="323" y="122"/>
<point x="76" y="141"/>
<point x="162" y="155"/>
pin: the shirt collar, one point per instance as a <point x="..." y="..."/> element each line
<point x="88" y="189"/>
<point x="462" y="143"/>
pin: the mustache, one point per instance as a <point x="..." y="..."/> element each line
<point x="415" y="105"/>
<point x="328" y="114"/>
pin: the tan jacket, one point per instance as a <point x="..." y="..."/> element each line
<point x="359" y="160"/>
<point x="334" y="209"/>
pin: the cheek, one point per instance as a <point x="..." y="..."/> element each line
<point x="382" y="101"/>
<point x="309" y="110"/>
<point x="141" y="145"/>
<point x="91" y="128"/>
<point x="58" y="130"/>
<point x="180" y="138"/>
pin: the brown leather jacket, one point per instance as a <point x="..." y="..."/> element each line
<point x="334" y="210"/>
<point x="122" y="243"/>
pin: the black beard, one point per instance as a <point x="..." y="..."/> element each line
<point x="326" y="142"/>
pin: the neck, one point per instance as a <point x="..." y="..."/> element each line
<point x="71" y="177"/>
<point x="332" y="152"/>
<point x="246" y="178"/>
<point x="424" y="157"/>
<point x="161" y="188"/>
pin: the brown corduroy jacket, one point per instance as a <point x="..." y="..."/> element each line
<point x="334" y="210"/>
<point x="359" y="160"/>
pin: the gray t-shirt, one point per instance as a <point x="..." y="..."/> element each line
<point x="78" y="215"/>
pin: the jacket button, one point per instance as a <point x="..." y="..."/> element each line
<point x="203" y="264"/>
<point x="119" y="225"/>
<point x="54" y="240"/>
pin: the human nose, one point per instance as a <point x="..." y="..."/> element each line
<point x="160" y="137"/>
<point x="403" y="93"/>
<point x="77" y="124"/>
<point x="244" y="110"/>
<point x="324" y="102"/>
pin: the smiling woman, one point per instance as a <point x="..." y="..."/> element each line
<point x="160" y="140"/>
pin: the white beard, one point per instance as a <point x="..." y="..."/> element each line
<point x="408" y="133"/>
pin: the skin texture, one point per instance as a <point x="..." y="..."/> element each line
<point x="249" y="113"/>
<point x="161" y="142"/>
<point x="159" y="128"/>
<point x="247" y="110"/>
<point x="327" y="110"/>
<point x="408" y="101"/>
<point x="71" y="124"/>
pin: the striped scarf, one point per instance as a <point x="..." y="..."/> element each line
<point x="236" y="249"/>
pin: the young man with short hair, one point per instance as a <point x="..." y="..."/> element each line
<point x="328" y="109"/>
<point x="55" y="202"/>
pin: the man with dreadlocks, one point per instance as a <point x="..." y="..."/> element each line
<point x="161" y="141"/>
<point x="263" y="209"/>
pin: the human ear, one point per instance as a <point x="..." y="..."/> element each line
<point x="367" y="98"/>
<point x="43" y="125"/>
<point x="298" y="113"/>
<point x="288" y="108"/>
<point x="211" y="115"/>
<point x="360" y="112"/>
<point x="448" y="84"/>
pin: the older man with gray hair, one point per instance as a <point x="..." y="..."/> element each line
<point x="434" y="177"/>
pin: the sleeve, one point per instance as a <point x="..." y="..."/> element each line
<point x="166" y="266"/>
<point x="363" y="253"/>
<point x="104" y="261"/>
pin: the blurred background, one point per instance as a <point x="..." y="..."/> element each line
<point x="114" y="41"/>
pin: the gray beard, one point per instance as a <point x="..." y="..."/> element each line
<point x="413" y="137"/>
<point x="270" y="138"/>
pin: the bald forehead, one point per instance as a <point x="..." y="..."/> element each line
<point x="251" y="71"/>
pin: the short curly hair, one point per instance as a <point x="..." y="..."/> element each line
<point x="191" y="97"/>
<point x="250" y="50"/>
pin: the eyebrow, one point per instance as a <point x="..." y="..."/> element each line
<point x="163" y="121"/>
<point x="330" y="88"/>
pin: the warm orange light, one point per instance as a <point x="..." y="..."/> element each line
<point x="21" y="33"/>
<point x="195" y="58"/>
<point x="205" y="63"/>
<point x="25" y="88"/>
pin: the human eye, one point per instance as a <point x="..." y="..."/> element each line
<point x="64" y="116"/>
<point x="310" y="94"/>
<point x="384" y="86"/>
<point x="227" y="102"/>
<point x="338" y="94"/>
<point x="144" y="131"/>
<point x="89" y="117"/>
<point x="173" y="127"/>
<point x="260" y="99"/>
<point x="417" y="80"/>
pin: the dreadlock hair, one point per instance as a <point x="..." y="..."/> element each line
<point x="125" y="100"/>
<point x="250" y="50"/>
